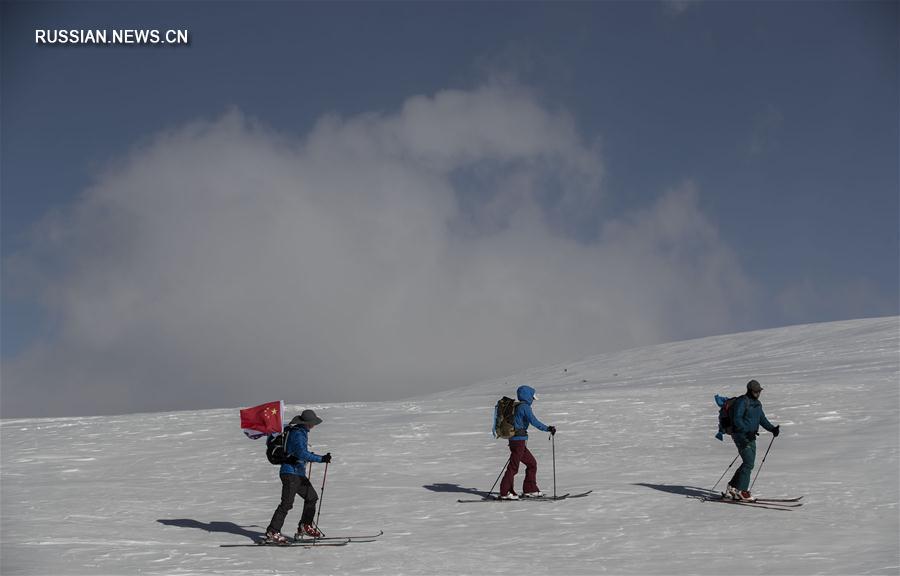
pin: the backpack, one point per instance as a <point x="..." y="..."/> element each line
<point x="504" y="416"/>
<point x="726" y="425"/>
<point x="275" y="451"/>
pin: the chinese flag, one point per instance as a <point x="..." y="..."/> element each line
<point x="263" y="419"/>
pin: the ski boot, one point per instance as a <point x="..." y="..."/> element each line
<point x="275" y="537"/>
<point x="308" y="532"/>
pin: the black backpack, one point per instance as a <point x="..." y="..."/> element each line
<point x="726" y="412"/>
<point x="504" y="416"/>
<point x="275" y="448"/>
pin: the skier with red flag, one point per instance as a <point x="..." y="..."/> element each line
<point x="294" y="481"/>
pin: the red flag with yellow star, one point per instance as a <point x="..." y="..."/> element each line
<point x="262" y="420"/>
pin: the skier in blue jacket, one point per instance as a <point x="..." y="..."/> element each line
<point x="518" y="450"/>
<point x="294" y="481"/>
<point x="748" y="417"/>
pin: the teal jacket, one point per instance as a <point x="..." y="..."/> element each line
<point x="748" y="417"/>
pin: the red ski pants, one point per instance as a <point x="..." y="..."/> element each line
<point x="519" y="452"/>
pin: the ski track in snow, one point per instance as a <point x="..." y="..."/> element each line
<point x="159" y="493"/>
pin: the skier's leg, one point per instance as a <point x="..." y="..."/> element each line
<point x="741" y="444"/>
<point x="530" y="484"/>
<point x="310" y="498"/>
<point x="288" y="491"/>
<point x="515" y="455"/>
<point x="748" y="459"/>
<point x="735" y="478"/>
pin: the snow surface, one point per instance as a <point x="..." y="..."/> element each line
<point x="159" y="493"/>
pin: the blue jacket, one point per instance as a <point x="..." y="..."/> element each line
<point x="297" y="440"/>
<point x="748" y="417"/>
<point x="524" y="416"/>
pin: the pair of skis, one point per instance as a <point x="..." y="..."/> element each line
<point x="565" y="496"/>
<point x="312" y="542"/>
<point x="785" y="504"/>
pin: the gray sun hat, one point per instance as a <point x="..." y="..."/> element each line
<point x="753" y="386"/>
<point x="306" y="417"/>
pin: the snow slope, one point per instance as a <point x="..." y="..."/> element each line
<point x="159" y="493"/>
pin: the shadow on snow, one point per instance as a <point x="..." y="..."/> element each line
<point x="224" y="527"/>
<point x="455" y="488"/>
<point x="686" y="491"/>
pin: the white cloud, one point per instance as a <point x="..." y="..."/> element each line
<point x="223" y="264"/>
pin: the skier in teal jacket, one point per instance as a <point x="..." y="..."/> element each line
<point x="748" y="417"/>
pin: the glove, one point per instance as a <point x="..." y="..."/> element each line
<point x="326" y="458"/>
<point x="776" y="431"/>
<point x="293" y="460"/>
<point x="552" y="430"/>
<point x="751" y="436"/>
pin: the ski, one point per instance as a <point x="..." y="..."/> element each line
<point x="757" y="505"/>
<point x="780" y="501"/>
<point x="795" y="499"/>
<point x="565" y="496"/>
<point x="497" y="499"/>
<point x="289" y="544"/>
<point x="787" y="507"/>
<point x="350" y="538"/>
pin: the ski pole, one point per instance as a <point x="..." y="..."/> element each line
<point x="322" y="497"/>
<point x="553" y="445"/>
<point x="724" y="473"/>
<point x="502" y="470"/>
<point x="758" y="470"/>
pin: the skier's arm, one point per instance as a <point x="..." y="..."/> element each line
<point x="310" y="456"/>
<point x="764" y="422"/>
<point x="301" y="451"/>
<point x="532" y="419"/>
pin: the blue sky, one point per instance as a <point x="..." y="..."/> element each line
<point x="698" y="167"/>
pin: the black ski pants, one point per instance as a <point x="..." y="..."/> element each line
<point x="292" y="486"/>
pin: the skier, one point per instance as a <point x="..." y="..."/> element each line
<point x="748" y="416"/>
<point x="294" y="481"/>
<point x="518" y="451"/>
